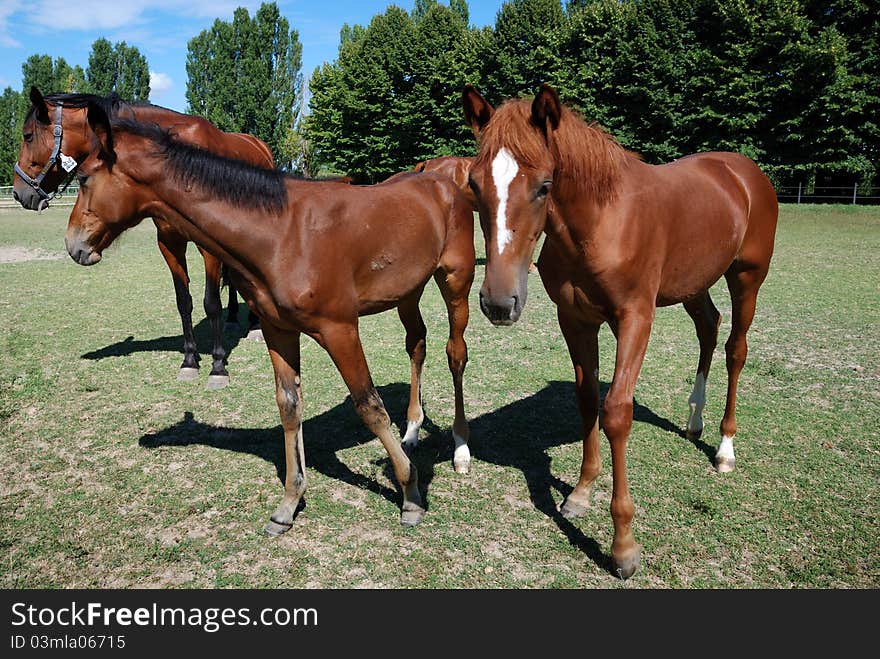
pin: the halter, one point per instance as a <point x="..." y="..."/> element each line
<point x="67" y="163"/>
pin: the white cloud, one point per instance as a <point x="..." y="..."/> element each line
<point x="100" y="14"/>
<point x="159" y="83"/>
<point x="6" y="10"/>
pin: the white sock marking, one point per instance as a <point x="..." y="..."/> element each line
<point x="726" y="448"/>
<point x="697" y="402"/>
<point x="462" y="456"/>
<point x="504" y="170"/>
<point x="412" y="432"/>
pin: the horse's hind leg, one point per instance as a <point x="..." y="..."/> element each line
<point x="706" y="320"/>
<point x="173" y="249"/>
<point x="284" y="353"/>
<point x="583" y="346"/>
<point x="232" y="307"/>
<point x="343" y="344"/>
<point x="219" y="377"/>
<point x="454" y="278"/>
<point x="411" y="317"/>
<point x="743" y="285"/>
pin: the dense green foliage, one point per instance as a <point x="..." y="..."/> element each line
<point x="118" y="68"/>
<point x="244" y="76"/>
<point x="791" y="83"/>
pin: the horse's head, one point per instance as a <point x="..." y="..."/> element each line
<point x="511" y="178"/>
<point x="52" y="139"/>
<point x="109" y="200"/>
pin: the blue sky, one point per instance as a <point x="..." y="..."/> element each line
<point x="161" y="29"/>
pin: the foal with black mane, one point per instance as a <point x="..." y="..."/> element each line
<point x="308" y="256"/>
<point x="622" y="238"/>
<point x="56" y="137"/>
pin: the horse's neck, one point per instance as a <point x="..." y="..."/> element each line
<point x="211" y="223"/>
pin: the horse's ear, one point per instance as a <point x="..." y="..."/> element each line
<point x="477" y="110"/>
<point x="41" y="110"/>
<point x="99" y="122"/>
<point x="546" y="109"/>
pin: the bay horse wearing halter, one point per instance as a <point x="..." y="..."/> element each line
<point x="56" y="138"/>
<point x="622" y="238"/>
<point x="316" y="255"/>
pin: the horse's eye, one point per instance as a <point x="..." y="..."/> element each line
<point x="544" y="189"/>
<point x="81" y="179"/>
<point x="28" y="137"/>
<point x="472" y="184"/>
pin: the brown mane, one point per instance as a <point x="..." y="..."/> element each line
<point x="582" y="152"/>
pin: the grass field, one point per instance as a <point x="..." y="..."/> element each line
<point x="114" y="474"/>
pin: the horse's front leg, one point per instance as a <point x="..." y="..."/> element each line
<point x="342" y="342"/>
<point x="219" y="376"/>
<point x="583" y="346"/>
<point x="284" y="353"/>
<point x="632" y="329"/>
<point x="173" y="248"/>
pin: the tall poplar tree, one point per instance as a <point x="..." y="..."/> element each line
<point x="244" y="76"/>
<point x="118" y="68"/>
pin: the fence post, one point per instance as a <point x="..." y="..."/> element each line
<point x="799" y="193"/>
<point x="855" y="192"/>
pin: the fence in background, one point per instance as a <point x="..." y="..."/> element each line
<point x="66" y="199"/>
<point x="823" y="194"/>
<point x="787" y="194"/>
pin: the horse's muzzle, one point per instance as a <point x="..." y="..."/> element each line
<point x="27" y="197"/>
<point x="81" y="252"/>
<point x="501" y="311"/>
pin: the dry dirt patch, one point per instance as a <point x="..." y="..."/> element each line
<point x="14" y="254"/>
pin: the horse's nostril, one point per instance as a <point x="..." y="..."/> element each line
<point x="15" y="196"/>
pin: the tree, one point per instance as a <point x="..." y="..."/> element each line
<point x="12" y="109"/>
<point x="51" y="76"/>
<point x="392" y="97"/>
<point x="118" y="68"/>
<point x="244" y="76"/>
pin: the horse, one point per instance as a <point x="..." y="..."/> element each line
<point x="56" y="137"/>
<point x="453" y="167"/>
<point x="313" y="257"/>
<point x="622" y="237"/>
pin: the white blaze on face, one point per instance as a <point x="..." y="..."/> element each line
<point x="504" y="170"/>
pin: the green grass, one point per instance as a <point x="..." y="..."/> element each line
<point x="114" y="474"/>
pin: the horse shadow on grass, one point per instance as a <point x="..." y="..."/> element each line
<point x="201" y="331"/>
<point x="517" y="435"/>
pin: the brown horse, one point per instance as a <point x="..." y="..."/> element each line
<point x="622" y="237"/>
<point x="56" y="137"/>
<point x="453" y="167"/>
<point x="308" y="256"/>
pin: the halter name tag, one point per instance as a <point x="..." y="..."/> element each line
<point x="68" y="163"/>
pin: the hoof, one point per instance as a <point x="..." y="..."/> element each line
<point x="409" y="445"/>
<point x="274" y="529"/>
<point x="693" y="434"/>
<point x="626" y="566"/>
<point x="217" y="381"/>
<point x="724" y="465"/>
<point x="411" y="515"/>
<point x="571" y="509"/>
<point x="462" y="466"/>
<point x="187" y="374"/>
<point x="255" y="335"/>
<point x="231" y="327"/>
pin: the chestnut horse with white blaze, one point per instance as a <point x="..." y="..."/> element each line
<point x="315" y="255"/>
<point x="56" y="137"/>
<point x="622" y="238"/>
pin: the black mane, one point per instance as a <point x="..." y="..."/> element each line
<point x="234" y="181"/>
